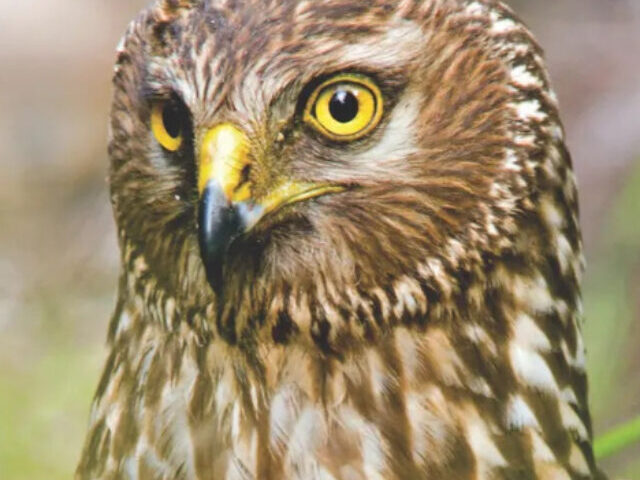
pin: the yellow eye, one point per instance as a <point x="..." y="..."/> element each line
<point x="345" y="108"/>
<point x="168" y="124"/>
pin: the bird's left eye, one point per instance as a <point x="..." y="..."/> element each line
<point x="168" y="124"/>
<point x="345" y="108"/>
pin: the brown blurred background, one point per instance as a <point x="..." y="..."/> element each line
<point x="58" y="256"/>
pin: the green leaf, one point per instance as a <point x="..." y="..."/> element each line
<point x="617" y="439"/>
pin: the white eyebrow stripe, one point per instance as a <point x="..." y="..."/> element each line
<point x="397" y="47"/>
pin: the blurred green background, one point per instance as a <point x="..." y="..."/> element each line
<point x="58" y="256"/>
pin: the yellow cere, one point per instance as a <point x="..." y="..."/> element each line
<point x="359" y="98"/>
<point x="224" y="153"/>
<point x="160" y="131"/>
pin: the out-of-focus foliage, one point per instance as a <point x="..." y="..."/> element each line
<point x="58" y="254"/>
<point x="618" y="439"/>
<point x="611" y="305"/>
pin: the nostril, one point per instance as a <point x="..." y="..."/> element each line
<point x="244" y="176"/>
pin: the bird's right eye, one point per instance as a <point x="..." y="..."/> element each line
<point x="168" y="124"/>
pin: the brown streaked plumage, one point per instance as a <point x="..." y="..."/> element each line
<point x="419" y="319"/>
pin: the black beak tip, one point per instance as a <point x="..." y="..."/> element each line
<point x="219" y="224"/>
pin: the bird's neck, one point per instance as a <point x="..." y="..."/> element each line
<point x="489" y="359"/>
<point x="482" y="370"/>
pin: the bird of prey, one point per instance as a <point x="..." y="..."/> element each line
<point x="350" y="248"/>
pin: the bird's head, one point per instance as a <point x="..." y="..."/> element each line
<point x="312" y="165"/>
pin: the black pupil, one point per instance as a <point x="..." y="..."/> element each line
<point x="343" y="106"/>
<point x="171" y="120"/>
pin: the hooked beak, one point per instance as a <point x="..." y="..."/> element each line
<point x="227" y="208"/>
